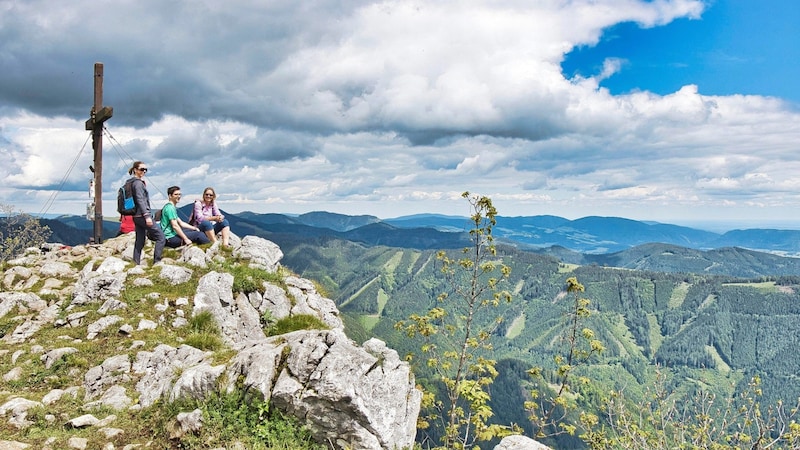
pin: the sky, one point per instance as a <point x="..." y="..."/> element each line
<point x="677" y="111"/>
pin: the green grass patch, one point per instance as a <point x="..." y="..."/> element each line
<point x="656" y="338"/>
<point x="248" y="279"/>
<point x="368" y="321"/>
<point x="516" y="327"/>
<point x="764" y="286"/>
<point x="296" y="322"/>
<point x="79" y="264"/>
<point x="567" y="268"/>
<point x="678" y="295"/>
<point x="383" y="299"/>
<point x="719" y="363"/>
<point x="243" y="418"/>
<point x="205" y="333"/>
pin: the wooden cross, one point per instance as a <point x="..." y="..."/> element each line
<point x="98" y="115"/>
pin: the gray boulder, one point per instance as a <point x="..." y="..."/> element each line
<point x="17" y="409"/>
<point x="308" y="301"/>
<point x="238" y="320"/>
<point x="346" y="394"/>
<point x="113" y="370"/>
<point x="260" y="252"/>
<point x="97" y="287"/>
<point x="158" y="369"/>
<point x="518" y="442"/>
<point x="175" y="274"/>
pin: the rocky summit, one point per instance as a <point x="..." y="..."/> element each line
<point x="88" y="340"/>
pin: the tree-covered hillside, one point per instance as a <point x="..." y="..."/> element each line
<point x="707" y="331"/>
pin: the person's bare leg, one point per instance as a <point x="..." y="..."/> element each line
<point x="225" y="235"/>
<point x="211" y="236"/>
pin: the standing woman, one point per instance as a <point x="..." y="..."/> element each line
<point x="209" y="219"/>
<point x="142" y="218"/>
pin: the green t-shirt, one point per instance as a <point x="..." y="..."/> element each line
<point x="169" y="212"/>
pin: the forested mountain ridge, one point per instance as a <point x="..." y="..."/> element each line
<point x="657" y="257"/>
<point x="707" y="331"/>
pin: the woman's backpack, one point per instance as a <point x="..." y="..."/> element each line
<point x="125" y="203"/>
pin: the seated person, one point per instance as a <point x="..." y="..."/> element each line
<point x="176" y="231"/>
<point x="209" y="219"/>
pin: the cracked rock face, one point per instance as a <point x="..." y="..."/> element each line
<point x="354" y="397"/>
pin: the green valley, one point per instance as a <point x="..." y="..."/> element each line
<point x="709" y="332"/>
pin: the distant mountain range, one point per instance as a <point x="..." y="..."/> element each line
<point x="607" y="241"/>
<point x="600" y="235"/>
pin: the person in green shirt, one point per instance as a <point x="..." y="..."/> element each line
<point x="176" y="231"/>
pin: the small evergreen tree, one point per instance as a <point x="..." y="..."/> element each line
<point x="455" y="341"/>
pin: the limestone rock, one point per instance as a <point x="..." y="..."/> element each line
<point x="175" y="274"/>
<point x="194" y="256"/>
<point x="111" y="265"/>
<point x="145" y="324"/>
<point x="56" y="269"/>
<point x="109" y="432"/>
<point x="86" y="420"/>
<point x="52" y="356"/>
<point x="308" y="301"/>
<point x="13" y="374"/>
<point x="111" y="304"/>
<point x="188" y="422"/>
<point x="258" y="364"/>
<point x="196" y="381"/>
<point x="159" y="367"/>
<point x="53" y="396"/>
<point x="115" y="398"/>
<point x="518" y="442"/>
<point x="113" y="370"/>
<point x="261" y="253"/>
<point x="78" y="443"/>
<point x="13" y="445"/>
<point x="346" y="394"/>
<point x="33" y="324"/>
<point x="237" y="319"/>
<point x="17" y="409"/>
<point x="97" y="327"/>
<point x="273" y="299"/>
<point x="15" y="277"/>
<point x="26" y="300"/>
<point x="95" y="287"/>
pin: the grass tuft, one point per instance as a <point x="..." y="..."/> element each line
<point x="205" y="333"/>
<point x="296" y="322"/>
